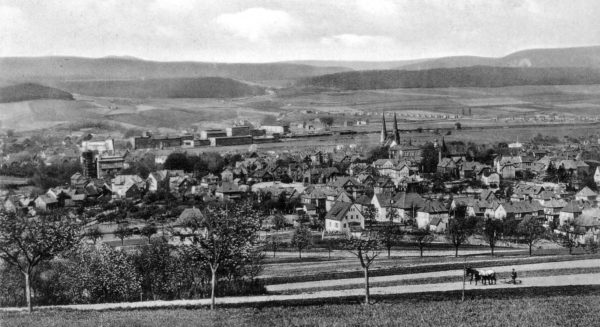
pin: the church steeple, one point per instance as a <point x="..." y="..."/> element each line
<point x="396" y="132"/>
<point x="383" y="129"/>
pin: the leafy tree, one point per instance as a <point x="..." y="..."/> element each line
<point x="390" y="235"/>
<point x="531" y="230"/>
<point x="26" y="242"/>
<point x="122" y="232"/>
<point x="458" y="125"/>
<point x="491" y="230"/>
<point x="274" y="243"/>
<point x="229" y="238"/>
<point x="279" y="222"/>
<point x="366" y="250"/>
<point x="178" y="161"/>
<point x="94" y="234"/>
<point x="429" y="159"/>
<point x="370" y="214"/>
<point x="460" y="228"/>
<point x="156" y="266"/>
<point x="148" y="230"/>
<point x="567" y="237"/>
<point x="422" y="238"/>
<point x="301" y="239"/>
<point x="591" y="246"/>
<point x="328" y="121"/>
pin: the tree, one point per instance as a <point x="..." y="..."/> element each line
<point x="328" y="121"/>
<point x="370" y="214"/>
<point x="26" y="242"/>
<point x="229" y="238"/>
<point x="531" y="230"/>
<point x="422" y="238"/>
<point x="94" y="234"/>
<point x="279" y="222"/>
<point x="458" y="125"/>
<point x="366" y="250"/>
<point x="429" y="160"/>
<point x="390" y="235"/>
<point x="148" y="230"/>
<point x="459" y="228"/>
<point x="301" y="239"/>
<point x="122" y="232"/>
<point x="273" y="243"/>
<point x="491" y="230"/>
<point x="566" y="237"/>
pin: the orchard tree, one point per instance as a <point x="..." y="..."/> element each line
<point x="94" y="234"/>
<point x="370" y="214"/>
<point x="530" y="230"/>
<point x="460" y="228"/>
<point x="567" y="238"/>
<point x="26" y="242"/>
<point x="122" y="232"/>
<point x="390" y="235"/>
<point x="491" y="230"/>
<point x="366" y="250"/>
<point x="422" y="238"/>
<point x="301" y="239"/>
<point x="148" y="231"/>
<point x="229" y="235"/>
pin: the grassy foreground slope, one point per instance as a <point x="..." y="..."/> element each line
<point x="564" y="307"/>
<point x="31" y="91"/>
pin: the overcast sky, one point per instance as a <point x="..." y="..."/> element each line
<point x="269" y="30"/>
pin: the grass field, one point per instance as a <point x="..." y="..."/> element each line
<point x="560" y="306"/>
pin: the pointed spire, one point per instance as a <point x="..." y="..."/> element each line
<point x="383" y="129"/>
<point x="396" y="133"/>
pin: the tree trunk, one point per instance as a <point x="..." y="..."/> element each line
<point x="213" y="288"/>
<point x="28" y="291"/>
<point x="367" y="301"/>
<point x="389" y="249"/>
<point x="300" y="253"/>
<point x="530" y="245"/>
<point x="421" y="249"/>
<point x="492" y="247"/>
<point x="456" y="251"/>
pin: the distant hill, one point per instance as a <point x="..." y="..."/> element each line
<point x="358" y="65"/>
<point x="41" y="69"/>
<point x="30" y="91"/>
<point x="206" y="87"/>
<point x="541" y="58"/>
<point x="476" y="76"/>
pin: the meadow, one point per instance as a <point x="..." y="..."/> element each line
<point x="560" y="306"/>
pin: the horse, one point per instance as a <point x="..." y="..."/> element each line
<point x="474" y="274"/>
<point x="488" y="276"/>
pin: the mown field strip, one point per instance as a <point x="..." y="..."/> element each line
<point x="458" y="272"/>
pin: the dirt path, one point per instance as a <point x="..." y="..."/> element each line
<point x="458" y="272"/>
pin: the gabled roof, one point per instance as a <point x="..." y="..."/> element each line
<point x="433" y="207"/>
<point x="338" y="211"/>
<point x="572" y="207"/>
<point x="586" y="192"/>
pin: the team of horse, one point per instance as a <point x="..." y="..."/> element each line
<point x="485" y="276"/>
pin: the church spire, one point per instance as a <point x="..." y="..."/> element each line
<point x="383" y="129"/>
<point x="396" y="132"/>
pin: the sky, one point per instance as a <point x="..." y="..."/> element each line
<point x="268" y="30"/>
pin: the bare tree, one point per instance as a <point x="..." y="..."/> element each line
<point x="301" y="239"/>
<point x="366" y="250"/>
<point x="25" y="242"/>
<point x="389" y="235"/>
<point x="228" y="234"/>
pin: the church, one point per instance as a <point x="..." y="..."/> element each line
<point x="398" y="150"/>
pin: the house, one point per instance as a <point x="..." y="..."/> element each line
<point x="127" y="186"/>
<point x="597" y="175"/>
<point x="586" y="194"/>
<point x="448" y="166"/>
<point x="228" y="191"/>
<point x="157" y="181"/>
<point x="518" y="210"/>
<point x="405" y="205"/>
<point x="433" y="210"/>
<point x="46" y="202"/>
<point x="588" y="224"/>
<point x="489" y="178"/>
<point x="342" y="217"/>
<point x="568" y="213"/>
